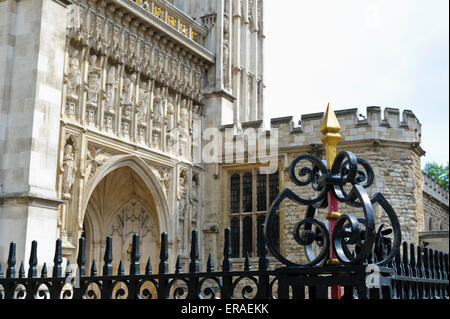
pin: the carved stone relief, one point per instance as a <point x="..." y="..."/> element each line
<point x="183" y="203"/>
<point x="95" y="157"/>
<point x="171" y="131"/>
<point x="133" y="219"/>
<point x="164" y="179"/>
<point x="158" y="108"/>
<point x="73" y="80"/>
<point x="69" y="170"/>
<point x="93" y="88"/>
<point x="116" y="61"/>
<point x="184" y="130"/>
<point x="226" y="52"/>
<point x="194" y="200"/>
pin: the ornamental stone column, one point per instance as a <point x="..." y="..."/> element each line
<point x="32" y="41"/>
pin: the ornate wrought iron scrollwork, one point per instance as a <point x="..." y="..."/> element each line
<point x="346" y="170"/>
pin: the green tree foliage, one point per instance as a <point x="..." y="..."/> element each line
<point x="438" y="172"/>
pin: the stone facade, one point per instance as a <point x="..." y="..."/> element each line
<point x="388" y="141"/>
<point x="105" y="105"/>
<point x="435" y="203"/>
<point x="436" y="200"/>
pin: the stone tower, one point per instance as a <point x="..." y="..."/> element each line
<point x="235" y="84"/>
<point x="32" y="41"/>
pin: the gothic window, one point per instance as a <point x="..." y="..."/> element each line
<point x="273" y="187"/>
<point x="247" y="216"/>
<point x="235" y="190"/>
<point x="261" y="192"/>
<point x="247" y="236"/>
<point x="247" y="192"/>
<point x="259" y="222"/>
<point x="235" y="237"/>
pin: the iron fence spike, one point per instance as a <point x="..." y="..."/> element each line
<point x="81" y="259"/>
<point x="135" y="256"/>
<point x="32" y="270"/>
<point x="120" y="269"/>
<point x="210" y="264"/>
<point x="148" y="267"/>
<point x="178" y="268"/>
<point x="21" y="270"/>
<point x="57" y="260"/>
<point x="68" y="269"/>
<point x="44" y="271"/>
<point x="193" y="265"/>
<point x="247" y="262"/>
<point x="164" y="254"/>
<point x="93" y="271"/>
<point x="107" y="267"/>
<point x="11" y="270"/>
<point x="227" y="263"/>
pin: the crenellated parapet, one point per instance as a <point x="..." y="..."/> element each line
<point x="387" y="125"/>
<point x="378" y="126"/>
<point x="435" y="190"/>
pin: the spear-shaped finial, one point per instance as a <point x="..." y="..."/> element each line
<point x="330" y="136"/>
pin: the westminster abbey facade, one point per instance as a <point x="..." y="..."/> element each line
<point x="105" y="112"/>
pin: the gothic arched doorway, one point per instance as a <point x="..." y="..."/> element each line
<point x="127" y="199"/>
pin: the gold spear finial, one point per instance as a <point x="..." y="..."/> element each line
<point x="330" y="136"/>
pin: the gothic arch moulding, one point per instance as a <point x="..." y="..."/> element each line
<point x="145" y="173"/>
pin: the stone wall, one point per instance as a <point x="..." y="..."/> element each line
<point x="32" y="41"/>
<point x="388" y="141"/>
<point x="436" y="205"/>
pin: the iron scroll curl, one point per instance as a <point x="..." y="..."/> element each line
<point x="346" y="169"/>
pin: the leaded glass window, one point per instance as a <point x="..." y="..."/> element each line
<point x="261" y="192"/>
<point x="247" y="242"/>
<point x="235" y="193"/>
<point x="235" y="236"/>
<point x="246" y="218"/>
<point x="247" y="192"/>
<point x="273" y="187"/>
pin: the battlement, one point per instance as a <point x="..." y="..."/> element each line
<point x="378" y="125"/>
<point x="435" y="190"/>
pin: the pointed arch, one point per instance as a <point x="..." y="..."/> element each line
<point x="148" y="177"/>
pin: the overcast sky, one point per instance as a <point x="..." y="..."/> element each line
<point x="358" y="53"/>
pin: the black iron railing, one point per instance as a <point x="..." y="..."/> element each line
<point x="414" y="273"/>
<point x="373" y="263"/>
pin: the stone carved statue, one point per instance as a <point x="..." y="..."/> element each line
<point x="111" y="83"/>
<point x="182" y="208"/>
<point x="155" y="139"/>
<point x="74" y="76"/>
<point x="194" y="200"/>
<point x="174" y="70"/>
<point x="186" y="75"/>
<point x="95" y="157"/>
<point x="144" y="100"/>
<point x="226" y="64"/>
<point x="93" y="81"/>
<point x="226" y="54"/>
<point x="164" y="178"/>
<point x="69" y="169"/>
<point x="184" y="129"/>
<point x="161" y="64"/>
<point x="170" y="122"/>
<point x="158" y="108"/>
<point x="128" y="90"/>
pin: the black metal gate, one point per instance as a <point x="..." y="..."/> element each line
<point x="377" y="267"/>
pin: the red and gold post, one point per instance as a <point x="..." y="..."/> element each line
<point x="330" y="138"/>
